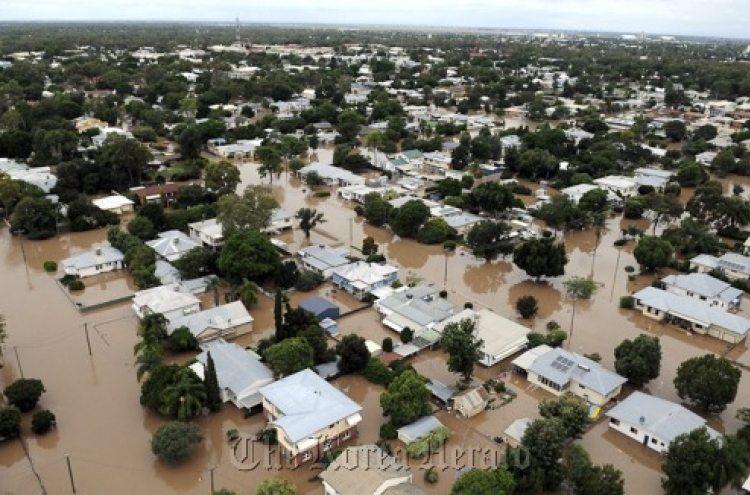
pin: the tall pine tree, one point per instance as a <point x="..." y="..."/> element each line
<point x="211" y="382"/>
<point x="278" y="315"/>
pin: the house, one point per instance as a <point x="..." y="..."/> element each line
<point x="310" y="415"/>
<point x="89" y="263"/>
<point x="705" y="288"/>
<point x="622" y="187"/>
<point x="471" y="401"/>
<point x="418" y="429"/>
<point x="417" y="308"/>
<point x="41" y="177"/>
<point x="208" y="232"/>
<point x="575" y="193"/>
<point x="161" y="194"/>
<point x="577" y="135"/>
<point x="436" y="163"/>
<point x="706" y="158"/>
<point x="359" y="278"/>
<point x="501" y="337"/>
<point x="323" y="259"/>
<point x="166" y="273"/>
<point x="227" y="322"/>
<point x="691" y="315"/>
<point x="559" y="371"/>
<point x="115" y="204"/>
<point x="654" y="422"/>
<point x="240" y="373"/>
<point x="172" y="245"/>
<point x="172" y="301"/>
<point x="513" y="434"/>
<point x="653" y="177"/>
<point x="441" y="392"/>
<point x="280" y="220"/>
<point x="462" y="222"/>
<point x="321" y="307"/>
<point x="367" y="470"/>
<point x="734" y="266"/>
<point x="332" y="176"/>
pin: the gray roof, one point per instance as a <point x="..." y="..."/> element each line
<point x="317" y="305"/>
<point x="662" y="418"/>
<point x="686" y="307"/>
<point x="735" y="262"/>
<point x="325" y="257"/>
<point x="704" y="285"/>
<point x="363" y="470"/>
<point x="166" y="273"/>
<point x="421" y="305"/>
<point x="705" y="260"/>
<point x="87" y="259"/>
<point x="307" y="404"/>
<point x="441" y="391"/>
<point x="561" y="367"/>
<point x="172" y="244"/>
<point x="462" y="220"/>
<point x="220" y="318"/>
<point x="517" y="428"/>
<point x="332" y="173"/>
<point x="236" y="368"/>
<point x="420" y="428"/>
<point x="165" y="298"/>
<point x="654" y="172"/>
<point x="279" y="215"/>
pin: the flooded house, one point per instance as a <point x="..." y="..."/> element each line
<point x="207" y="232"/>
<point x="310" y="415"/>
<point x="116" y="204"/>
<point x="501" y="337"/>
<point x="687" y="313"/>
<point x="89" y="263"/>
<point x="226" y="322"/>
<point x="280" y="220"/>
<point x="470" y="402"/>
<point x="331" y="175"/>
<point x="361" y="278"/>
<point x="240" y="373"/>
<point x="322" y="259"/>
<point x="172" y="245"/>
<point x="159" y="194"/>
<point x="654" y="422"/>
<point x="559" y="371"/>
<point x="732" y="265"/>
<point x="513" y="434"/>
<point x="653" y="177"/>
<point x="417" y="308"/>
<point x="704" y="288"/>
<point x="620" y="186"/>
<point x="366" y="469"/>
<point x="321" y="307"/>
<point x="575" y="193"/>
<point x="418" y="429"/>
<point x="172" y="301"/>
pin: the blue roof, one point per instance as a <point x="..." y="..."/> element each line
<point x="317" y="305"/>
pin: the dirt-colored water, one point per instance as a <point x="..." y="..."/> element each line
<point x="106" y="433"/>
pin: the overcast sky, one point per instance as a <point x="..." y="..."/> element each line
<point x="726" y="18"/>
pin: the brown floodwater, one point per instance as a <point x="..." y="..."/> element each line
<point x="106" y="433"/>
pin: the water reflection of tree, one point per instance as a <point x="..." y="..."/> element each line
<point x="548" y="298"/>
<point x="486" y="277"/>
<point x="409" y="253"/>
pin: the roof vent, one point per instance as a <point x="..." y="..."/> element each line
<point x="98" y="251"/>
<point x="642" y="420"/>
<point x="584" y="367"/>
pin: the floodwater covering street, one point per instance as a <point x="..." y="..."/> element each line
<point x="106" y="433"/>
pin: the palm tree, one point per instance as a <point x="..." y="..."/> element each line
<point x="149" y="358"/>
<point x="153" y="331"/>
<point x="732" y="463"/>
<point x="214" y="284"/>
<point x="373" y="141"/>
<point x="578" y="288"/>
<point x="247" y="292"/>
<point x="185" y="398"/>
<point x="308" y="219"/>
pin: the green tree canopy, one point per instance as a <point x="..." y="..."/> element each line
<point x="639" y="360"/>
<point x="488" y="239"/>
<point x="572" y="413"/>
<point x="248" y="255"/>
<point x="653" y="252"/>
<point x="689" y="464"/>
<point x="459" y="340"/>
<point x="708" y="381"/>
<point x="221" y="177"/>
<point x="251" y="211"/>
<point x="496" y="481"/>
<point x="406" y="399"/>
<point x="354" y="354"/>
<point x="406" y="221"/>
<point x="276" y="486"/>
<point x="24" y="393"/>
<point x="172" y="442"/>
<point x="290" y="356"/>
<point x="541" y="258"/>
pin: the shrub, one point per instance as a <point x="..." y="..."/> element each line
<point x="396" y="284"/>
<point x="42" y="422"/>
<point x="76" y="285"/>
<point x="50" y="266"/>
<point x="24" y="393"/>
<point x="428" y="443"/>
<point x="443" y="294"/>
<point x="378" y="373"/>
<point x="387" y="344"/>
<point x="431" y="475"/>
<point x="388" y="431"/>
<point x="527" y="306"/>
<point x="322" y="194"/>
<point x="67" y="279"/>
<point x="182" y="340"/>
<point x="627" y="302"/>
<point x="359" y="210"/>
<point x="620" y="242"/>
<point x="233" y="434"/>
<point x="556" y="337"/>
<point x="174" y="441"/>
<point x="375" y="258"/>
<point x="629" y="269"/>
<point x="407" y="334"/>
<point x="594" y="356"/>
<point x="385" y="446"/>
<point x="450" y="245"/>
<point x="268" y="436"/>
<point x="10" y="422"/>
<point x="535" y="339"/>
<point x="308" y="280"/>
<point x="469" y="305"/>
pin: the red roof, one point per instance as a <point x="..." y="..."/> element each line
<point x="167" y="189"/>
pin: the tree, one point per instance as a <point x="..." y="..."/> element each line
<point x="270" y="160"/>
<point x="214" y="284"/>
<point x="434" y="231"/>
<point x="159" y="378"/>
<point x="406" y="221"/>
<point x="527" y="306"/>
<point x="707" y="381"/>
<point x="124" y="160"/>
<point x="675" y="130"/>
<point x="369" y="247"/>
<point x="354" y="354"/>
<point x="248" y="255"/>
<point x="406" y="399"/>
<point x="572" y="413"/>
<point x="496" y="481"/>
<point x="594" y="201"/>
<point x="586" y="478"/>
<point x="653" y="252"/>
<point x="541" y="258"/>
<point x="142" y="228"/>
<point x="148" y="359"/>
<point x="190" y="142"/>
<point x="544" y="440"/>
<point x="463" y="347"/>
<point x="689" y="464"/>
<point x="313" y="179"/>
<point x="488" y="239"/>
<point x="211" y="384"/>
<point x="664" y="207"/>
<point x="691" y="174"/>
<point x="376" y="209"/>
<point x="35" y="217"/>
<point x="278" y="314"/>
<point x="289" y="356"/>
<point x="639" y="360"/>
<point x="492" y="198"/>
<point x="578" y="288"/>
<point x="221" y="177"/>
<point x="24" y="393"/>
<point x="247" y="293"/>
<point x="251" y="211"/>
<point x="10" y="422"/>
<point x="315" y="336"/>
<point x="276" y="486"/>
<point x="732" y="462"/>
<point x="42" y="421"/>
<point x="308" y="219"/>
<point x="196" y="263"/>
<point x="182" y="340"/>
<point x="174" y="441"/>
<point x="185" y="397"/>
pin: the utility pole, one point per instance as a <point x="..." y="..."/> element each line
<point x="18" y="360"/>
<point x="211" y="470"/>
<point x="70" y="472"/>
<point x="88" y="342"/>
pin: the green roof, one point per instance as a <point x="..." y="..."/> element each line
<point x="412" y="154"/>
<point x="399" y="162"/>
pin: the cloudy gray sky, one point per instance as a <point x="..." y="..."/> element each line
<point x="727" y="18"/>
